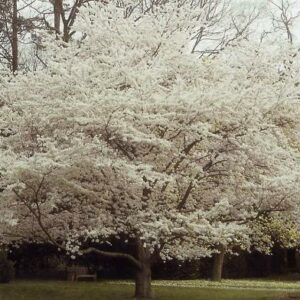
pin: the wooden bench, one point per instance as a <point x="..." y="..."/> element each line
<point x="87" y="276"/>
<point x="77" y="273"/>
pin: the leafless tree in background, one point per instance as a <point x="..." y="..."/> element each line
<point x="9" y="27"/>
<point x="284" y="17"/>
<point x="222" y="25"/>
<point x="64" y="15"/>
<point x="15" y="32"/>
<point x="20" y="21"/>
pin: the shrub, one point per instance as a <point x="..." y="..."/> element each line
<point x="6" y="269"/>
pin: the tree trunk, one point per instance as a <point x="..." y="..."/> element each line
<point x="14" y="40"/>
<point x="57" y="6"/>
<point x="218" y="264"/>
<point x="285" y="261"/>
<point x="143" y="289"/>
<point x="297" y="261"/>
<point x="66" y="37"/>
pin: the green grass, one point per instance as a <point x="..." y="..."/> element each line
<point x="163" y="290"/>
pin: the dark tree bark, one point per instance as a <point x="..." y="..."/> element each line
<point x="66" y="35"/>
<point x="143" y="289"/>
<point x="14" y="39"/>
<point x="297" y="261"/>
<point x="57" y="8"/>
<point x="285" y="261"/>
<point x="218" y="264"/>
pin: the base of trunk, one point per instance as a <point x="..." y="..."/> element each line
<point x="143" y="289"/>
<point x="218" y="265"/>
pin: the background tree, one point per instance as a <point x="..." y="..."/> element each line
<point x="9" y="33"/>
<point x="17" y="34"/>
<point x="284" y="14"/>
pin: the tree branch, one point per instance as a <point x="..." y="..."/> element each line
<point x="129" y="257"/>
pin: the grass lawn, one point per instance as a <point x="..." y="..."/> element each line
<point x="164" y="290"/>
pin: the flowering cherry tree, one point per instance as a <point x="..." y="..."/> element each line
<point x="127" y="135"/>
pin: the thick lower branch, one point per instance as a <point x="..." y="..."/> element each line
<point x="129" y="257"/>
